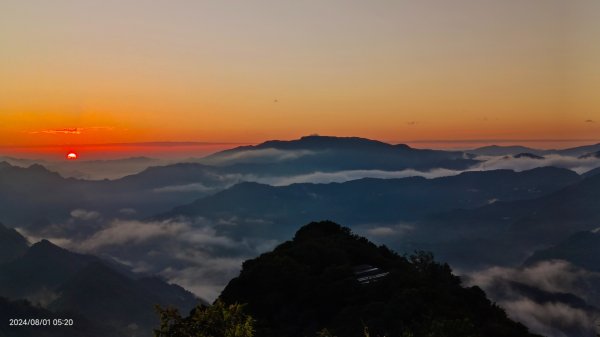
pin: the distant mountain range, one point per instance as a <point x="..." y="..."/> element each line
<point x="272" y="211"/>
<point x="216" y="205"/>
<point x="26" y="198"/>
<point x="504" y="232"/>
<point x="91" y="169"/>
<point x="34" y="193"/>
<point x="320" y="153"/>
<point x="61" y="281"/>
<point x="581" y="249"/>
<point x="498" y="150"/>
<point x="26" y="201"/>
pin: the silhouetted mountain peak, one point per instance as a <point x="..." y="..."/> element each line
<point x="311" y="283"/>
<point x="402" y="146"/>
<point x="33" y="171"/>
<point x="322" y="143"/>
<point x="59" y="257"/>
<point x="12" y="244"/>
<point x="502" y="150"/>
<point x="42" y="170"/>
<point x="171" y="172"/>
<point x="5" y="230"/>
<point x="328" y="153"/>
<point x="321" y="229"/>
<point x="44" y="246"/>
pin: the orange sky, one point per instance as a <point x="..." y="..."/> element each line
<point x="87" y="72"/>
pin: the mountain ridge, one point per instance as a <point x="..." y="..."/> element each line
<point x="308" y="283"/>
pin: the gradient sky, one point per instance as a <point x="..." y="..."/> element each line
<point x="89" y="72"/>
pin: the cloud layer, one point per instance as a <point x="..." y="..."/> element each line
<point x="195" y="254"/>
<point x="553" y="298"/>
<point x="522" y="164"/>
<point x="343" y="176"/>
<point x="257" y="156"/>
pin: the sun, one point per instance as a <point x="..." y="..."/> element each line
<point x="72" y="156"/>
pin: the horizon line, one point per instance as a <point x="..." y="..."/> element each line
<point x="140" y="144"/>
<point x="499" y="140"/>
<point x="417" y="141"/>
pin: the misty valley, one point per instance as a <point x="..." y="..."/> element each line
<point x="319" y="236"/>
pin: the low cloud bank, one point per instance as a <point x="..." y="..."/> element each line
<point x="382" y="231"/>
<point x="195" y="187"/>
<point x="256" y="156"/>
<point x="83" y="214"/>
<point x="552" y="298"/>
<point x="194" y="253"/>
<point x="343" y="176"/>
<point x="522" y="164"/>
<point x="489" y="163"/>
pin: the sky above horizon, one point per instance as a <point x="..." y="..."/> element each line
<point x="428" y="72"/>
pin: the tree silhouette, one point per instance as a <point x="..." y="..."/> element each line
<point x="217" y="320"/>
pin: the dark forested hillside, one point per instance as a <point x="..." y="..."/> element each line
<point x="327" y="277"/>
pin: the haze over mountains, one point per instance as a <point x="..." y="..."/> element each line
<point x="371" y="201"/>
<point x="527" y="224"/>
<point x="101" y="292"/>
<point x="494" y="213"/>
<point x="496" y="150"/>
<point x="581" y="249"/>
<point x="319" y="153"/>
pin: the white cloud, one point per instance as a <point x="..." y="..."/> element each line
<point x="33" y="238"/>
<point x="207" y="276"/>
<point x="551" y="276"/>
<point x="398" y="230"/>
<point x="551" y="317"/>
<point x="85" y="215"/>
<point x="343" y="176"/>
<point x="191" y="253"/>
<point x="195" y="187"/>
<point x="131" y="232"/>
<point x="258" y="156"/>
<point x="381" y="231"/>
<point x="126" y="232"/>
<point x="521" y="164"/>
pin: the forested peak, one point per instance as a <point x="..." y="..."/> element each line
<point x="329" y="278"/>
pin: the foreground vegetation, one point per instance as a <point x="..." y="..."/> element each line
<point x="307" y="287"/>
